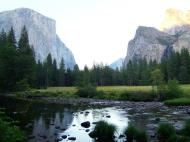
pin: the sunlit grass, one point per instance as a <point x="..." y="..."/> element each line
<point x="105" y="89"/>
<point x="123" y="89"/>
<point x="178" y="101"/>
<point x="131" y="93"/>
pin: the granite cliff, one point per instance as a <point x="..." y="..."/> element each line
<point x="153" y="44"/>
<point x="42" y="34"/>
<point x="149" y="43"/>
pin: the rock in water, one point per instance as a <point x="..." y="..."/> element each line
<point x="42" y="34"/>
<point x="85" y="124"/>
<point x="72" y="138"/>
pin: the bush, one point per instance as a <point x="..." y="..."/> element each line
<point x="132" y="134"/>
<point x="103" y="131"/>
<point x="173" y="89"/>
<point x="186" y="130"/>
<point x="177" y="138"/>
<point x="22" y="85"/>
<point x="9" y="132"/>
<point x="88" y="91"/>
<point x="165" y="132"/>
<point x="141" y="136"/>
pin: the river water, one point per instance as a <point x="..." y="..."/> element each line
<point x="47" y="122"/>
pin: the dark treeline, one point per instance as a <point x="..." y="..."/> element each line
<point x="136" y="72"/>
<point x="19" y="70"/>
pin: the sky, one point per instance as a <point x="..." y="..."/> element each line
<point x="99" y="30"/>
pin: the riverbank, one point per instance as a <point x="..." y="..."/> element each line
<point x="145" y="115"/>
<point x="89" y="102"/>
<point x="111" y="93"/>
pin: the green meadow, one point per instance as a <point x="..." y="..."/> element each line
<point x="130" y="93"/>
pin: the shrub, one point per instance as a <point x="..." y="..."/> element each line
<point x="141" y="136"/>
<point x="177" y="138"/>
<point x="132" y="134"/>
<point x="87" y="91"/>
<point x="22" y="85"/>
<point x="186" y="129"/>
<point x="103" y="131"/>
<point x="165" y="132"/>
<point x="9" y="132"/>
<point x="173" y="89"/>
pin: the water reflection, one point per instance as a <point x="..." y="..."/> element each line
<point x="45" y="122"/>
<point x="116" y="116"/>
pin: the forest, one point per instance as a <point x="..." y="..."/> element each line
<point x="20" y="71"/>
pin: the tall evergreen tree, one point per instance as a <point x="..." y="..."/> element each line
<point x="184" y="72"/>
<point x="39" y="75"/>
<point x="3" y="39"/>
<point x="8" y="62"/>
<point x="62" y="73"/>
<point x="26" y="59"/>
<point x="86" y="76"/>
<point x="173" y="66"/>
<point x="49" y="67"/>
<point x="55" y="74"/>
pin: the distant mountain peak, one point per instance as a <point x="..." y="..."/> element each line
<point x="117" y="64"/>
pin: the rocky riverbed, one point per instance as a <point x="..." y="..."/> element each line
<point x="63" y="117"/>
<point x="145" y="115"/>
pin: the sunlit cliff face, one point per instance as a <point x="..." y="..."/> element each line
<point x="174" y="17"/>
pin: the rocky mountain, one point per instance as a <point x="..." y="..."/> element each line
<point x="117" y="64"/>
<point x="42" y="34"/>
<point x="153" y="44"/>
<point x="149" y="43"/>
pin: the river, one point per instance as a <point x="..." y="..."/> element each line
<point x="45" y="122"/>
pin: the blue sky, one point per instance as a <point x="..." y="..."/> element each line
<point x="99" y="30"/>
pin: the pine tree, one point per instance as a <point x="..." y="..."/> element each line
<point x="184" y="71"/>
<point x="3" y="39"/>
<point x="173" y="65"/>
<point x="69" y="81"/>
<point x="26" y="61"/>
<point x="55" y="74"/>
<point x="49" y="66"/>
<point x="11" y="41"/>
<point x="62" y="73"/>
<point x="8" y="61"/>
<point x="86" y="76"/>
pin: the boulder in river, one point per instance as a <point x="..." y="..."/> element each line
<point x="64" y="136"/>
<point x="85" y="124"/>
<point x="72" y="138"/>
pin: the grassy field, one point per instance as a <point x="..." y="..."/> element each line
<point x="178" y="101"/>
<point x="135" y="93"/>
<point x="105" y="89"/>
<point x="131" y="93"/>
<point x="113" y="89"/>
<point x="186" y="89"/>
